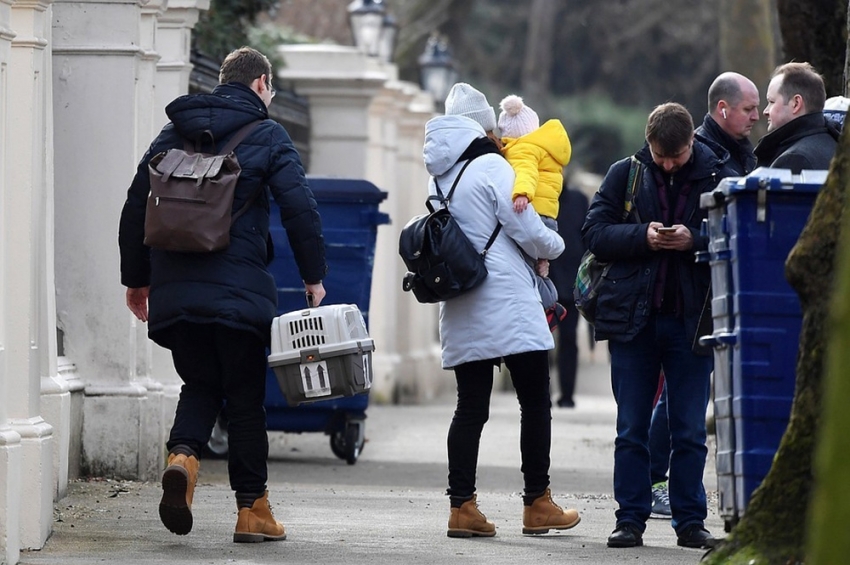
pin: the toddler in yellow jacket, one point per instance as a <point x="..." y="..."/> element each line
<point x="538" y="155"/>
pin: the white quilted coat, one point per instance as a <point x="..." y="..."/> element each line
<point x="504" y="315"/>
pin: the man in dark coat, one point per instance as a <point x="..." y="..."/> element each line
<point x="798" y="135"/>
<point x="648" y="307"/>
<point x="733" y="110"/>
<point x="214" y="310"/>
<point x="562" y="271"/>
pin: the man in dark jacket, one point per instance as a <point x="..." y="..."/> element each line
<point x="798" y="135"/>
<point x="214" y="310"/>
<point x="562" y="271"/>
<point x="733" y="110"/>
<point x="648" y="308"/>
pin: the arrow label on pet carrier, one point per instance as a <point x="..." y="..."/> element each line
<point x="315" y="379"/>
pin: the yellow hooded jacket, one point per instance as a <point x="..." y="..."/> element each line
<point x="538" y="159"/>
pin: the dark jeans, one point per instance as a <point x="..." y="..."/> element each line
<point x="568" y="351"/>
<point x="220" y="364"/>
<point x="635" y="366"/>
<point x="530" y="377"/>
<point x="659" y="440"/>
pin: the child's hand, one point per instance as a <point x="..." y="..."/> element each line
<point x="543" y="267"/>
<point x="520" y="204"/>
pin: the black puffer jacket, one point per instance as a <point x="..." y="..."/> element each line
<point x="625" y="298"/>
<point x="807" y="142"/>
<point x="233" y="286"/>
<point x="741" y="158"/>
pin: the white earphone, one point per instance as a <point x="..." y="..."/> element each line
<point x="723" y="111"/>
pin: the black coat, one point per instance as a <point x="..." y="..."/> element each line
<point x="571" y="212"/>
<point x="807" y="142"/>
<point x="234" y="286"/>
<point x="625" y="298"/>
<point x="742" y="160"/>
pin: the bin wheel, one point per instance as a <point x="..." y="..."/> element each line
<point x="348" y="443"/>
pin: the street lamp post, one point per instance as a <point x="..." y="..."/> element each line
<point x="366" y="18"/>
<point x="437" y="72"/>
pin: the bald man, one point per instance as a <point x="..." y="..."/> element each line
<point x="733" y="110"/>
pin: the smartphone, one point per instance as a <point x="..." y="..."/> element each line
<point x="665" y="230"/>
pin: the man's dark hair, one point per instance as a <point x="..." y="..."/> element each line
<point x="244" y="65"/>
<point x="725" y="87"/>
<point x="802" y="79"/>
<point x="670" y="126"/>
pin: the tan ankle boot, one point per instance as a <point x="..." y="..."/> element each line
<point x="258" y="524"/>
<point x="468" y="521"/>
<point x="544" y="515"/>
<point x="178" y="488"/>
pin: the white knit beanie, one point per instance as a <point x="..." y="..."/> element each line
<point x="464" y="100"/>
<point x="516" y="119"/>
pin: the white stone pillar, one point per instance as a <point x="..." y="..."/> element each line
<point x="340" y="83"/>
<point x="174" y="35"/>
<point x="10" y="440"/>
<point x="382" y="170"/>
<point x="96" y="65"/>
<point x="25" y="233"/>
<point x="422" y="378"/>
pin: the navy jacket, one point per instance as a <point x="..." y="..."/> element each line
<point x="625" y="298"/>
<point x="807" y="142"/>
<point x="234" y="286"/>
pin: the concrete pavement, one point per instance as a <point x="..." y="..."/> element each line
<point x="388" y="508"/>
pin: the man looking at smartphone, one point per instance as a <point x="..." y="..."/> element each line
<point x="648" y="309"/>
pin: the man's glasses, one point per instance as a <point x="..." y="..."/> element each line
<point x="272" y="90"/>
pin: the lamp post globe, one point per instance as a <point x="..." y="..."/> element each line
<point x="366" y="18"/>
<point x="436" y="68"/>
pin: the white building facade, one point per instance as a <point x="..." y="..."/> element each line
<point x="83" y="86"/>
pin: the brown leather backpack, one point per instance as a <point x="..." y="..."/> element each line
<point x="191" y="198"/>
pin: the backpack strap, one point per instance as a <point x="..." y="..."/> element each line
<point x="635" y="174"/>
<point x="239" y="136"/>
<point x="444" y="200"/>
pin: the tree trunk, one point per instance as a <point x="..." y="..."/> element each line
<point x="747" y="44"/>
<point x="773" y="528"/>
<point x="539" y="46"/>
<point x="815" y="31"/>
<point x="828" y="540"/>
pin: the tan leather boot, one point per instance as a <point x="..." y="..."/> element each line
<point x="178" y="488"/>
<point x="258" y="524"/>
<point x="468" y="521"/>
<point x="544" y="515"/>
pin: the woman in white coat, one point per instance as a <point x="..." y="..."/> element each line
<point x="500" y="321"/>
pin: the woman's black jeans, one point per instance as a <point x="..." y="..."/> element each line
<point x="530" y="376"/>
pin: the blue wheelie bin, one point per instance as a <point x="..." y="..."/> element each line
<point x="753" y="222"/>
<point x="350" y="217"/>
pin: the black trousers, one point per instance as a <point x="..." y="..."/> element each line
<point x="568" y="351"/>
<point x="220" y="364"/>
<point x="530" y="376"/>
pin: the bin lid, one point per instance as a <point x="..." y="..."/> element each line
<point x="765" y="178"/>
<point x="345" y="189"/>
